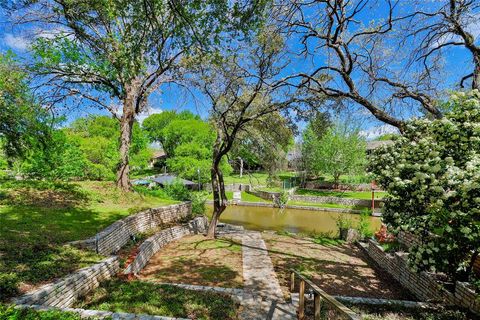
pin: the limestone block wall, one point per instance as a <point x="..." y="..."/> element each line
<point x="64" y="292"/>
<point x="115" y="236"/>
<point x="153" y="244"/>
<point x="423" y="285"/>
<point x="342" y="186"/>
<point x="344" y="201"/>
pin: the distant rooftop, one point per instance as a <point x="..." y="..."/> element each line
<point x="164" y="179"/>
<point x="372" y="145"/>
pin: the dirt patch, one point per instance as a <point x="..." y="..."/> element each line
<point x="198" y="260"/>
<point x="340" y="269"/>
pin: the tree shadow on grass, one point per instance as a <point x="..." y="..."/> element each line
<point x="148" y="298"/>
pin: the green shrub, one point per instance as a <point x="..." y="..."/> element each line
<point x="198" y="202"/>
<point x="177" y="191"/>
<point x="8" y="285"/>
<point x="364" y="225"/>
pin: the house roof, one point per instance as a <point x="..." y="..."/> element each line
<point x="158" y="154"/>
<point x="372" y="145"/>
<point x="164" y="179"/>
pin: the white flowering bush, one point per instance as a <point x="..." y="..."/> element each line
<point x="432" y="175"/>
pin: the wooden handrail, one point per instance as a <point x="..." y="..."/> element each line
<point x="319" y="296"/>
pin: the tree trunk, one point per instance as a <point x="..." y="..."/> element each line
<point x="476" y="72"/>
<point x="218" y="188"/>
<point x="126" y="129"/>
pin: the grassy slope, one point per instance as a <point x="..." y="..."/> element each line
<point x="37" y="218"/>
<point x="364" y="195"/>
<point x="148" y="298"/>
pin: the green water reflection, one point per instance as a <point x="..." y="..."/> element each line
<point x="292" y="220"/>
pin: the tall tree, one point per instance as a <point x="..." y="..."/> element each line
<point x="241" y="88"/>
<point x="117" y="52"/>
<point x="356" y="60"/>
<point x="437" y="26"/>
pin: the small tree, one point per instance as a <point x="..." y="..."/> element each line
<point x="432" y="176"/>
<point x="337" y="152"/>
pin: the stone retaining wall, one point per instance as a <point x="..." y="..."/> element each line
<point x="318" y="199"/>
<point x="341" y="186"/>
<point x="115" y="236"/>
<point x="232" y="187"/>
<point x="344" y="201"/>
<point x="423" y="285"/>
<point x="153" y="244"/>
<point x="64" y="292"/>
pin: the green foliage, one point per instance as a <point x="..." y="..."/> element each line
<point x="23" y="124"/>
<point x="189" y="145"/>
<point x="364" y="225"/>
<point x="177" y="191"/>
<point x="432" y="175"/>
<point x="8" y="285"/>
<point x="199" y="202"/>
<point x="343" y="222"/>
<point x="11" y="313"/>
<point x="155" y="124"/>
<point x="264" y="143"/>
<point x="88" y="149"/>
<point x="338" y="152"/>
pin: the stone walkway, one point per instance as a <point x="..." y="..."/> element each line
<point x="263" y="298"/>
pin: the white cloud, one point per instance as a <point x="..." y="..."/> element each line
<point x="142" y="116"/>
<point x="375" y="132"/>
<point x="16" y="42"/>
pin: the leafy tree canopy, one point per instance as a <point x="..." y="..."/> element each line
<point x="23" y="123"/>
<point x="432" y="175"/>
<point x="338" y="152"/>
<point x="155" y="124"/>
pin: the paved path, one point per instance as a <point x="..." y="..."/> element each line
<point x="263" y="298"/>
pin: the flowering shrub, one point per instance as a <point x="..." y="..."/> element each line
<point x="383" y="236"/>
<point x="432" y="175"/>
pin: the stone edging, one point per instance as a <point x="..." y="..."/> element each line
<point x="64" y="292"/>
<point x="98" y="314"/>
<point x="289" y="206"/>
<point x="422" y="284"/>
<point x="153" y="244"/>
<point x="115" y="236"/>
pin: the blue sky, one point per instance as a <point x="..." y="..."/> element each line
<point x="457" y="59"/>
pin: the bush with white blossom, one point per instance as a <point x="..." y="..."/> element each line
<point x="432" y="175"/>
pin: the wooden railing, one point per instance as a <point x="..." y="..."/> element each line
<point x="325" y="306"/>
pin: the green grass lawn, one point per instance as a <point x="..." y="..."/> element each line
<point x="37" y="218"/>
<point x="11" y="313"/>
<point x="255" y="178"/>
<point x="245" y="197"/>
<point x="149" y="298"/>
<point x="364" y="195"/>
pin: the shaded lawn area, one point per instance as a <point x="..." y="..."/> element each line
<point x="11" y="313"/>
<point x="37" y="218"/>
<point x="363" y="195"/>
<point x="339" y="269"/>
<point x="198" y="260"/>
<point x="149" y="298"/>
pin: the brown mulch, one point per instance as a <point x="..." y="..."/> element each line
<point x="199" y="261"/>
<point x="341" y="269"/>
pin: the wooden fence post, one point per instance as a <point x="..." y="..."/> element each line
<point x="301" y="300"/>
<point x="318" y="305"/>
<point x="292" y="282"/>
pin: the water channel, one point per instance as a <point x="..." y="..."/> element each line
<point x="291" y="220"/>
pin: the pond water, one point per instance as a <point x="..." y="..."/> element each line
<point x="291" y="220"/>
